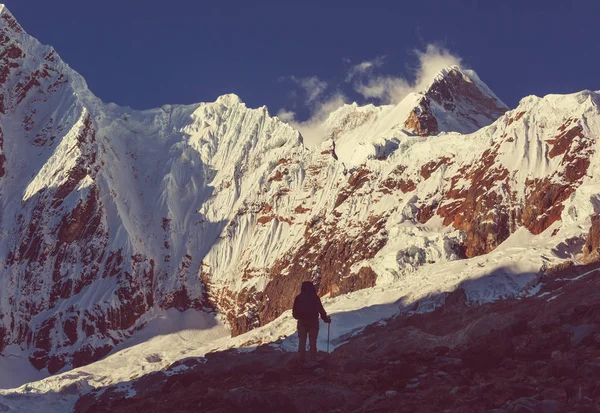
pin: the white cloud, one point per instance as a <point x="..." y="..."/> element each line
<point x="286" y="115"/>
<point x="364" y="67"/>
<point x="390" y="89"/>
<point x="312" y="86"/>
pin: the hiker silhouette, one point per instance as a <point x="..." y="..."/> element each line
<point x="307" y="308"/>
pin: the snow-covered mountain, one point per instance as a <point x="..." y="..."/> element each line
<point x="111" y="216"/>
<point x="456" y="100"/>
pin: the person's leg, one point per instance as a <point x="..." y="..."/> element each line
<point x="302" y="332"/>
<point x="313" y="333"/>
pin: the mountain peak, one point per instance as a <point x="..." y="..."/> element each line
<point x="454" y="82"/>
<point x="444" y="73"/>
<point x="229" y="99"/>
<point x="456" y="100"/>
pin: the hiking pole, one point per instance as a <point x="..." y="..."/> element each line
<point x="328" y="325"/>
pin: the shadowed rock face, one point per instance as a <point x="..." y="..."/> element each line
<point x="533" y="354"/>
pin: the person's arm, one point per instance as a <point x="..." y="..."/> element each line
<point x="294" y="311"/>
<point x="322" y="311"/>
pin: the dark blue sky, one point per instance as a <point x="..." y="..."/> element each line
<point x="148" y="53"/>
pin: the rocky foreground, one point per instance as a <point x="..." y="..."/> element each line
<point x="535" y="354"/>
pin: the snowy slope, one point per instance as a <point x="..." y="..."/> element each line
<point x="113" y="219"/>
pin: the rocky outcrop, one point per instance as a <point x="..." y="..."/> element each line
<point x="355" y="182"/>
<point x="397" y="179"/>
<point x="421" y="119"/>
<point x="430" y="167"/>
<point x="591" y="249"/>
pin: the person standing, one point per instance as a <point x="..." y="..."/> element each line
<point x="307" y="308"/>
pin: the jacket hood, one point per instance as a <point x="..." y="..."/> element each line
<point x="308" y="287"/>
